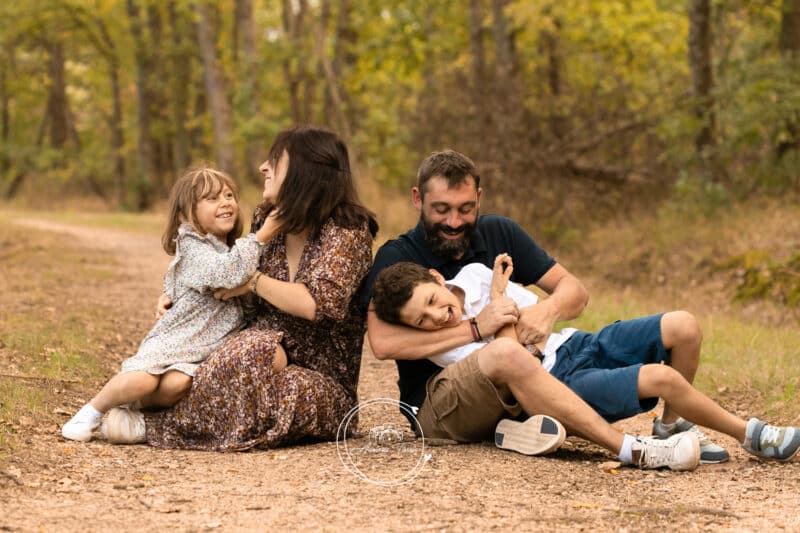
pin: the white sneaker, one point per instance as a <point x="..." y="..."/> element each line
<point x="81" y="426"/>
<point x="679" y="452"/>
<point x="125" y="426"/>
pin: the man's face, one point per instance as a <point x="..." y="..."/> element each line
<point x="448" y="215"/>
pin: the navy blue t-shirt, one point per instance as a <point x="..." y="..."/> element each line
<point x="493" y="235"/>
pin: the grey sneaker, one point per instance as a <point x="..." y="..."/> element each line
<point x="538" y="435"/>
<point x="678" y="452"/>
<point x="771" y="442"/>
<point x="710" y="453"/>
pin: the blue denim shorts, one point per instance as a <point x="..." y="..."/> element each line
<point x="603" y="368"/>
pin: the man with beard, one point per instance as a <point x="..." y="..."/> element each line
<point x="466" y="400"/>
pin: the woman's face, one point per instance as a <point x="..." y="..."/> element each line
<point x="274" y="176"/>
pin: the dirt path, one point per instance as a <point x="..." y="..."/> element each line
<point x="55" y="485"/>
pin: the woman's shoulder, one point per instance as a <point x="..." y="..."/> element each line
<point x="332" y="229"/>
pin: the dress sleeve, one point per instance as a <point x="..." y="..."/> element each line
<point x="203" y="267"/>
<point x="336" y="273"/>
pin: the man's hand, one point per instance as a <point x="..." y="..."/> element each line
<point x="501" y="273"/>
<point x="499" y="312"/>
<point x="164" y="303"/>
<point x="536" y="323"/>
<point x="227" y="294"/>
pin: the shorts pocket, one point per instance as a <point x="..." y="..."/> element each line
<point x="443" y="398"/>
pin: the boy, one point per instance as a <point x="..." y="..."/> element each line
<point x="406" y="293"/>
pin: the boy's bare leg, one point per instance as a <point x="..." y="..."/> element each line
<point x="681" y="335"/>
<point x="688" y="402"/>
<point x="507" y="364"/>
<point x="125" y="388"/>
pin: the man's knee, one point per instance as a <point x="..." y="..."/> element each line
<point x="505" y="360"/>
<point x="680" y="328"/>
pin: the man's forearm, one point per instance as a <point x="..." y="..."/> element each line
<point x="390" y="341"/>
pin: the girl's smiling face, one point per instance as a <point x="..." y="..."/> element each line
<point x="217" y="213"/>
<point x="432" y="306"/>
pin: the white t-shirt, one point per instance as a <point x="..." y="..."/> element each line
<point x="475" y="280"/>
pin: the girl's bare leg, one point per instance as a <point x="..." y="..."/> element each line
<point x="125" y="388"/>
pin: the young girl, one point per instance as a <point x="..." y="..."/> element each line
<point x="204" y="224"/>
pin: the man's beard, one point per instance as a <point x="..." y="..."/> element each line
<point x="447" y="248"/>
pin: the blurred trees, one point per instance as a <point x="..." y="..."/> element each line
<point x="565" y="105"/>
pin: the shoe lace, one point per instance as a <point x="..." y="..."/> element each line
<point x="770" y="435"/>
<point x="700" y="435"/>
<point x="657" y="452"/>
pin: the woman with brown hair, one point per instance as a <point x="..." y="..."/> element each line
<point x="292" y="374"/>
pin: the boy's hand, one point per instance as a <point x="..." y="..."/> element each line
<point x="499" y="312"/>
<point x="501" y="273"/>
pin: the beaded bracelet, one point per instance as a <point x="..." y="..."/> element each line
<point x="254" y="283"/>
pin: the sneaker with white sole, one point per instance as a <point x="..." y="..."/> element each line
<point x="710" y="453"/>
<point x="81" y="426"/>
<point x="771" y="442"/>
<point x="124" y="426"/>
<point x="538" y="435"/>
<point x="678" y="452"/>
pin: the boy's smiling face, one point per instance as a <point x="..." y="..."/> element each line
<point x="432" y="306"/>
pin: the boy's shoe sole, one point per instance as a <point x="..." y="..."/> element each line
<point x="538" y="435"/>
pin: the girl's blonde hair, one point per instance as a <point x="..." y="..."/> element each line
<point x="196" y="184"/>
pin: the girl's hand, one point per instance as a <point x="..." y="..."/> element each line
<point x="270" y="227"/>
<point x="227" y="294"/>
<point x="501" y="273"/>
<point x="164" y="303"/>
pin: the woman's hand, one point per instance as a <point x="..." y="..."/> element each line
<point x="164" y="303"/>
<point x="227" y="294"/>
<point x="501" y="273"/>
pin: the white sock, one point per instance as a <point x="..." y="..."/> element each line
<point x="626" y="453"/>
<point x="88" y="414"/>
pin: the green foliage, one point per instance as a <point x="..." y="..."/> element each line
<point x="759" y="275"/>
<point x="596" y="104"/>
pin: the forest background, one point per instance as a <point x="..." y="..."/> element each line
<point x="563" y="105"/>
<point x="652" y="146"/>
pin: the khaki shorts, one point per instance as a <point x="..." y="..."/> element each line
<point x="462" y="404"/>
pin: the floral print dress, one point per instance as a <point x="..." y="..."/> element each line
<point x="237" y="401"/>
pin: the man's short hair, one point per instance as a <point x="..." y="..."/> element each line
<point x="451" y="165"/>
<point x="394" y="286"/>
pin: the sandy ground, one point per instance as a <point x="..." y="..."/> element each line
<point x="375" y="482"/>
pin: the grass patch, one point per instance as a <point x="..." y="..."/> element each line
<point x="53" y="324"/>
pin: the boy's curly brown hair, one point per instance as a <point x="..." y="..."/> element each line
<point x="394" y="287"/>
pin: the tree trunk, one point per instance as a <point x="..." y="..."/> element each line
<point x="254" y="148"/>
<point x="701" y="67"/>
<point x="216" y="90"/>
<point x="552" y="49"/>
<point x="5" y="121"/>
<point x="294" y="65"/>
<point x="506" y="60"/>
<point x="145" y="149"/>
<point x="790" y="50"/>
<point x="115" y="122"/>
<point x="790" y="28"/>
<point x="57" y="97"/>
<point x="334" y="90"/>
<point x="476" y="48"/>
<point x="180" y="79"/>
